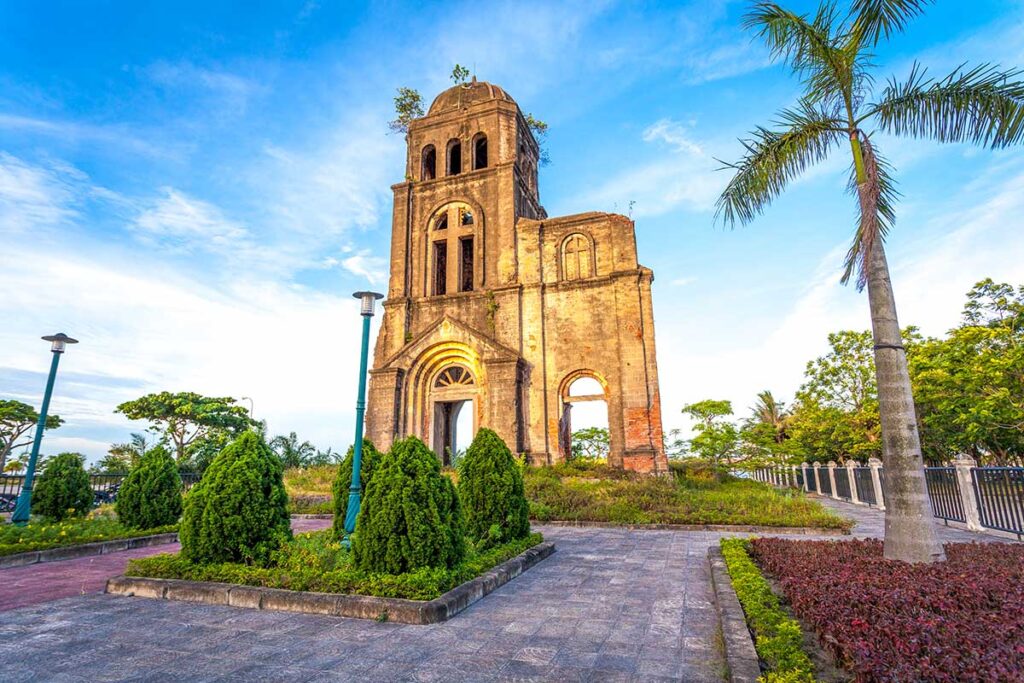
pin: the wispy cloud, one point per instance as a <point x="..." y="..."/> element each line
<point x="35" y="197"/>
<point x="181" y="223"/>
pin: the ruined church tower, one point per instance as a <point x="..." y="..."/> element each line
<point x="494" y="307"/>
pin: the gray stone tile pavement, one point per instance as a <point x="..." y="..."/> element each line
<point x="609" y="605"/>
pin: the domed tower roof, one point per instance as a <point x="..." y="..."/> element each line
<point x="465" y="94"/>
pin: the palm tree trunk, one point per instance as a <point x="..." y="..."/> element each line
<point x="909" y="526"/>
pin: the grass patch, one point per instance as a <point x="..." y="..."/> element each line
<point x="599" y="493"/>
<point x="41" y="535"/>
<point x="310" y="505"/>
<point x="310" y="481"/>
<point x="777" y="636"/>
<point x="316" y="561"/>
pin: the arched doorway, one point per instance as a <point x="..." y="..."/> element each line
<point x="453" y="393"/>
<point x="584" y="397"/>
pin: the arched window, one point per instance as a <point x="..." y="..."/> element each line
<point x="454" y="157"/>
<point x="442" y="222"/>
<point x="428" y="167"/>
<point x="577" y="258"/>
<point x="454" y="375"/>
<point x="453" y="240"/>
<point x="479" y="151"/>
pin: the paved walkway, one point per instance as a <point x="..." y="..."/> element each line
<point x="609" y="605"/>
<point x="36" y="583"/>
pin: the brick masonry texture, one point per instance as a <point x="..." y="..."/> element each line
<point x="545" y="302"/>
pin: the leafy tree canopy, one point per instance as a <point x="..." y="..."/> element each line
<point x="17" y="422"/>
<point x="592" y="442"/>
<point x="408" y="106"/>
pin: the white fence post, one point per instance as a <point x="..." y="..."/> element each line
<point x="876" y="480"/>
<point x="832" y="477"/>
<point x="963" y="466"/>
<point x="796" y="480"/>
<point x="803" y="470"/>
<point x="851" y="475"/>
<point x="817" y="478"/>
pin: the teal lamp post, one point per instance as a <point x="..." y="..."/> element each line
<point x="23" y="508"/>
<point x="367" y="300"/>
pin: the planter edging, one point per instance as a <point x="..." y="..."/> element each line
<point x="71" y="552"/>
<point x="335" y="604"/>
<point x="738" y="528"/>
<point x="740" y="656"/>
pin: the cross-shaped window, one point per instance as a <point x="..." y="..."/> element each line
<point x="576" y="258"/>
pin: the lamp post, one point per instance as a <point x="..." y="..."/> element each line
<point x="367" y="299"/>
<point x="23" y="508"/>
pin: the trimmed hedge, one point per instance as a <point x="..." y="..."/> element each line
<point x="150" y="495"/>
<point x="958" y="620"/>
<point x="238" y="512"/>
<point x="343" y="480"/>
<point x="315" y="562"/>
<point x="777" y="636"/>
<point x="63" y="489"/>
<point x="491" y="491"/>
<point x="410" y="517"/>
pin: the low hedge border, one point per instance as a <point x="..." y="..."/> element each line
<point x="71" y="552"/>
<point x="738" y="528"/>
<point x="778" y="639"/>
<point x="417" y="612"/>
<point x="740" y="655"/>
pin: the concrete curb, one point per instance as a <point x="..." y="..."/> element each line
<point x="303" y="515"/>
<point x="71" y="552"/>
<point x="740" y="655"/>
<point x="737" y="528"/>
<point x="338" y="605"/>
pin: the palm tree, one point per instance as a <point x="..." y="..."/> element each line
<point x="771" y="413"/>
<point x="291" y="452"/>
<point x="831" y="53"/>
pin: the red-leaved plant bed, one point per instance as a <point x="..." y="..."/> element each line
<point x="959" y="620"/>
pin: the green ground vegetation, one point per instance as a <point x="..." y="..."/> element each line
<point x="777" y="636"/>
<point x="586" y="491"/>
<point x="43" y="535"/>
<point x="316" y="561"/>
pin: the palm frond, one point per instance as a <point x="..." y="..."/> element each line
<point x="873" y="20"/>
<point x="983" y="105"/>
<point x="810" y="46"/>
<point x="774" y="158"/>
<point x="877" y="210"/>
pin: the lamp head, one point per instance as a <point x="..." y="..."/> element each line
<point x="59" y="341"/>
<point x="367" y="300"/>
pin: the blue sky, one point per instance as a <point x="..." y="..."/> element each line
<point x="194" y="190"/>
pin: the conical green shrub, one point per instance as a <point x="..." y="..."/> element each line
<point x="343" y="481"/>
<point x="63" y="489"/>
<point x="238" y="512"/>
<point x="150" y="495"/>
<point x="491" y="491"/>
<point x="410" y="517"/>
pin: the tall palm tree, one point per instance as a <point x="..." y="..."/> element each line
<point x="772" y="413"/>
<point x="292" y="452"/>
<point x="831" y="53"/>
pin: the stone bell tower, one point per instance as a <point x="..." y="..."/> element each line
<point x="493" y="305"/>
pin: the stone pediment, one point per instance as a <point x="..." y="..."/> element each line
<point x="447" y="330"/>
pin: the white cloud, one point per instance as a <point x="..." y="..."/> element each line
<point x="363" y="264"/>
<point x="33" y="197"/>
<point x="181" y="223"/>
<point x="683" y="281"/>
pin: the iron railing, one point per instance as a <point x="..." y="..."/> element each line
<point x="800" y="477"/>
<point x="104" y="487"/>
<point x="944" y="493"/>
<point x="812" y="484"/>
<point x="865" y="485"/>
<point x="826" y="481"/>
<point x="842" y="483"/>
<point x="1000" y="495"/>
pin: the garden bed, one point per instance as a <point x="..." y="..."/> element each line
<point x="882" y="620"/>
<point x="589" y="492"/>
<point x="313" y="574"/>
<point x="42" y="536"/>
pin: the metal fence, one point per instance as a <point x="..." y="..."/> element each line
<point x="826" y="482"/>
<point x="944" y="493"/>
<point x="865" y="485"/>
<point x="842" y="483"/>
<point x="104" y="487"/>
<point x="812" y="482"/>
<point x="1000" y="495"/>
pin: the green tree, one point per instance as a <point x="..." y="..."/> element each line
<point x="343" y="481"/>
<point x="410" y="517"/>
<point x="63" y="488"/>
<point x="292" y="452"/>
<point x="765" y="433"/>
<point x="460" y="74"/>
<point x="592" y="442"/>
<point x="832" y="54"/>
<point x="540" y="134"/>
<point x="969" y="387"/>
<point x="187" y="419"/>
<point x="491" y="491"/>
<point x="150" y="495"/>
<point x="122" y="457"/>
<point x="238" y="512"/>
<point x="408" y="106"/>
<point x="17" y="422"/>
<point x="717" y="438"/>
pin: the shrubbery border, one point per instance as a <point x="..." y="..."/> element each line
<point x="339" y="605"/>
<point x="71" y="552"/>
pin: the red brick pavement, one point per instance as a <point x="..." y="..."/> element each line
<point x="35" y="583"/>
